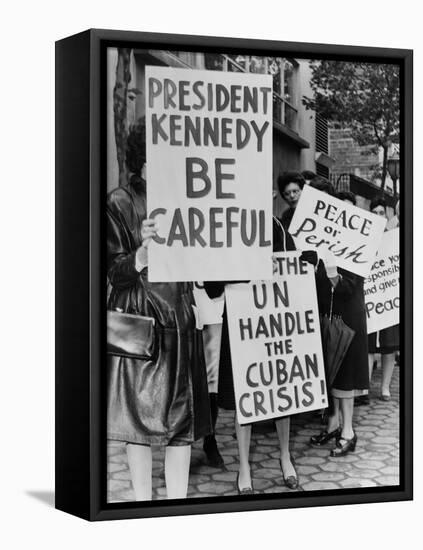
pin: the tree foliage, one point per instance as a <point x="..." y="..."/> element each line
<point x="120" y="109"/>
<point x="361" y="97"/>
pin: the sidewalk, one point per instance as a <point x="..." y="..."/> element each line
<point x="374" y="463"/>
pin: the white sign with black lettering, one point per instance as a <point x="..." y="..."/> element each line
<point x="326" y="224"/>
<point x="209" y="174"/>
<point x="381" y="287"/>
<point x="276" y="347"/>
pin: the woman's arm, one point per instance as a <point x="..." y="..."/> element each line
<point x="121" y="260"/>
<point x="127" y="257"/>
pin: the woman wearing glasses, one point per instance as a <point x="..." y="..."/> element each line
<point x="290" y="185"/>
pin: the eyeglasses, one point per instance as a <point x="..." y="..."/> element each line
<point x="294" y="192"/>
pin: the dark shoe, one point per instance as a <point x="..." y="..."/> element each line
<point x="214" y="458"/>
<point x="384" y="397"/>
<point x="245" y="490"/>
<point x="344" y="446"/>
<point x="291" y="481"/>
<point x="361" y="400"/>
<point x="324" y="437"/>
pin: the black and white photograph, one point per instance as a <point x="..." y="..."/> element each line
<point x="211" y="275"/>
<point x="253" y="226"/>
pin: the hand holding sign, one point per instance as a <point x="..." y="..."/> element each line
<point x="329" y="262"/>
<point x="148" y="231"/>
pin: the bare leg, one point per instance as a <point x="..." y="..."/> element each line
<point x="371" y="362"/>
<point x="283" y="427"/>
<point x="177" y="462"/>
<point x="388" y="364"/>
<point x="333" y="420"/>
<point x="347" y="409"/>
<point x="243" y="435"/>
<point x="140" y="466"/>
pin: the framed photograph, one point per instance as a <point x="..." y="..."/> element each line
<point x="233" y="316"/>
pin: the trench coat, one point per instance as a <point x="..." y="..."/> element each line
<point x="160" y="401"/>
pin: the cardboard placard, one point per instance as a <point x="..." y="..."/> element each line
<point x="275" y="340"/>
<point x="326" y="224"/>
<point x="209" y="174"/>
<point x="381" y="287"/>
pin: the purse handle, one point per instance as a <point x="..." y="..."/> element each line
<point x="283" y="232"/>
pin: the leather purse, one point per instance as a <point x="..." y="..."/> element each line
<point x="130" y="335"/>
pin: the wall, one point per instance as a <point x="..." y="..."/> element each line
<point x="354" y="159"/>
<point x="286" y="156"/>
<point x="307" y="123"/>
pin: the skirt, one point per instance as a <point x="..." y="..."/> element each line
<point x="385" y="341"/>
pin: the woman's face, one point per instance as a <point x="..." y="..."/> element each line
<point x="379" y="210"/>
<point x="291" y="194"/>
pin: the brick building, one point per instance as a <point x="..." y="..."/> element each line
<point x="355" y="169"/>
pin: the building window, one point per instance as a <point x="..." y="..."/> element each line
<point x="322" y="134"/>
<point x="190" y="59"/>
<point x="285" y="80"/>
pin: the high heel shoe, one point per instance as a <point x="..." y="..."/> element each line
<point x="245" y="490"/>
<point x="324" y="437"/>
<point x="291" y="481"/>
<point x="344" y="446"/>
<point x="385" y="397"/>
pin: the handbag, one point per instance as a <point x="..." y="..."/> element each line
<point x="129" y="335"/>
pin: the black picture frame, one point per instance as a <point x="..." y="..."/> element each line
<point x="81" y="278"/>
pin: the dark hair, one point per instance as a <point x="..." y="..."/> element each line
<point x="377" y="201"/>
<point x="346" y="196"/>
<point x="290" y="177"/>
<point x="322" y="184"/>
<point x="136" y="147"/>
<point x="308" y="174"/>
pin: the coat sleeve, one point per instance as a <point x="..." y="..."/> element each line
<point x="120" y="258"/>
<point x="214" y="289"/>
<point x="347" y="283"/>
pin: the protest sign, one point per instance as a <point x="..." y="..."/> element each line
<point x="209" y="174"/>
<point x="327" y="224"/>
<point x="381" y="287"/>
<point x="275" y="341"/>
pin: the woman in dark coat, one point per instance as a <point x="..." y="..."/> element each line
<point x="341" y="293"/>
<point x="160" y="401"/>
<point x="282" y="241"/>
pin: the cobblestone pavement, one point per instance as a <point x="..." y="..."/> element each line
<point x="375" y="461"/>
